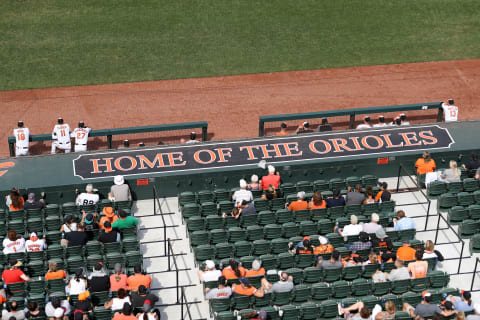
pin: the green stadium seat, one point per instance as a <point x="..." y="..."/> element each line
<point x="283" y="216"/>
<point x="195" y="224"/>
<point x="36" y="256"/>
<point x="290" y="312"/>
<point x="288" y="189"/>
<point x="470" y="184"/>
<point x="247" y="261"/>
<point x="361" y="287"/>
<point x="370" y="301"/>
<point x="218" y="305"/>
<point x="186" y="197"/>
<point x="436" y="188"/>
<point x="305" y="186"/>
<point x="320" y="292"/>
<point x="237" y="234"/>
<point x="352" y="272"/>
<point x="369" y="181"/>
<point x="199" y="237"/>
<point x="387" y="206"/>
<point x="369" y="208"/>
<point x="241" y="302"/>
<point x="312" y="275"/>
<point x="266" y="217"/>
<point x="394" y="298"/>
<point x="70" y="208"/>
<point x="99" y="298"/>
<point x="476" y="196"/>
<point x="402" y="315"/>
<point x="230" y="222"/>
<point x="222" y="195"/>
<point x="438" y="279"/>
<point x="269" y="261"/>
<point x="73" y="263"/>
<point x="352" y="181"/>
<point x="262" y="302"/>
<point x="242" y="248"/>
<point x="309" y="311"/>
<point x="216" y="236"/>
<point x="100" y="313"/>
<point x="465" y="199"/>
<point x="261" y="247"/>
<point x="474" y="211"/>
<point x="335" y="239"/>
<point x="289" y="229"/>
<point x="204" y="196"/>
<point x="355" y="209"/>
<point x="36" y="213"/>
<point x="336" y="212"/>
<point x="52" y="210"/>
<point x="457" y="214"/>
<point x="407" y="234"/>
<point x="223" y="250"/>
<point x="225" y="315"/>
<point x="279" y="245"/>
<point x="208" y="209"/>
<point x="412" y="298"/>
<point x="329" y="308"/>
<point x="256" y="233"/>
<point x="246" y="221"/>
<point x="321" y="185"/>
<point x="92" y="260"/>
<point x="74" y="251"/>
<point x="331" y="275"/>
<point x="468" y="228"/>
<point x="304" y="260"/>
<point x="455" y="187"/>
<point x="337" y="183"/>
<point x="419" y="284"/>
<point x="286" y="260"/>
<point x="301" y="293"/>
<point x="318" y="214"/>
<point x="308" y="228"/>
<point x="192" y="210"/>
<point x="17" y="225"/>
<point x="112" y="247"/>
<point x="340" y="289"/>
<point x="277" y="203"/>
<point x="36" y="268"/>
<point x="204" y="252"/>
<point x="225" y="207"/>
<point x="369" y="270"/>
<point x="325" y="226"/>
<point x="381" y="288"/>
<point x="400" y="286"/>
<point x="95" y="247"/>
<point x="296" y="273"/>
<point x="261" y="205"/>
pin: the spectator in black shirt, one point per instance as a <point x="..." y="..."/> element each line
<point x="138" y="299"/>
<point x="473" y="164"/>
<point x="77" y="238"/>
<point x="109" y="235"/>
<point x="34" y="311"/>
<point x="304" y="128"/>
<point x="381" y="239"/>
<point x="84" y="302"/>
<point x="31" y="203"/>
<point x="90" y="224"/>
<point x="337" y="200"/>
<point x="99" y="280"/>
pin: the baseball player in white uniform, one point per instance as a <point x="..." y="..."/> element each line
<point x="88" y="197"/>
<point x="381" y="122"/>
<point x="80" y="135"/>
<point x="22" y="138"/>
<point x="366" y="123"/>
<point x="61" y="137"/>
<point x="35" y="244"/>
<point x="450" y="110"/>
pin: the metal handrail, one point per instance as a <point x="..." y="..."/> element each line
<point x="156" y="203"/>
<point x="456" y="234"/>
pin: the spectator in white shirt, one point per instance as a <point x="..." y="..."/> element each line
<point x="13" y="243"/>
<point x="381" y="122"/>
<point x="352" y="229"/>
<point x="372" y="226"/>
<point x="403" y="118"/>
<point x="366" y="123"/>
<point x="210" y="273"/>
<point x="242" y="194"/>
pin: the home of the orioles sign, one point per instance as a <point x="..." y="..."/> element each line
<point x="238" y="153"/>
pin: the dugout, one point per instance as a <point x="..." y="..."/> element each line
<point x="220" y="164"/>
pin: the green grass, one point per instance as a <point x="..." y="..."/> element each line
<point x="48" y="43"/>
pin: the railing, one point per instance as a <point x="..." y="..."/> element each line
<point x="441" y="217"/>
<point x="349" y="112"/>
<point x="157" y="205"/>
<point x="109" y="133"/>
<point x="419" y="188"/>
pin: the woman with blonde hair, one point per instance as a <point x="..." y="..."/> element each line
<point x="451" y="174"/>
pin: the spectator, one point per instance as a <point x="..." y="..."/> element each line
<point x="419" y="268"/>
<point x="305" y="247"/>
<point x="84" y="302"/>
<point x="120" y="190"/>
<point x="317" y="202"/>
<point x="54" y="273"/>
<point x="139" y="298"/>
<point x="91" y="225"/>
<point x="452" y="174"/>
<point x="370" y="198"/>
<point x="254" y="185"/>
<point x="210" y="273"/>
<point x="246" y="209"/>
<point x="403" y="222"/>
<point x="34" y="311"/>
<point x="69" y="225"/>
<point x="383" y="195"/>
<point x="126" y="313"/>
<point x="363" y="243"/>
<point x="403" y="119"/>
<point x="14" y="274"/>
<point x="324" y="246"/>
<point x="379" y="276"/>
<point x="405" y="252"/>
<point x="284" y="284"/>
<point x="125" y="221"/>
<point x="372" y="226"/>
<point x="13" y="312"/>
<point x="336" y="200"/>
<point x="381" y="122"/>
<point x="78" y="283"/>
<point x="13" y="243"/>
<point x="425" y="309"/>
<point x="473" y="164"/>
<point x="261" y="315"/>
<point x="430" y="251"/>
<point x="31" y="203"/>
<point x="352" y="229"/>
<point x="88" y="197"/>
<point x="388" y="314"/>
<point x="300" y="204"/>
<point x="138" y="279"/>
<point x="463" y="303"/>
<point x="333" y="263"/>
<point x="425" y="164"/>
<point x="363" y="314"/>
<point x="193" y="138"/>
<point x="35" y="244"/>
<point x="271" y="179"/>
<point x="234" y="271"/>
<point x="271" y="193"/>
<point x="389" y="255"/>
<point x="99" y="281"/>
<point x="126" y="144"/>
<point x="246" y="289"/>
<point x="366" y="123"/>
<point x="76" y="238"/>
<point x="400" y="273"/>
<point x="256" y="270"/>
<point x="283" y="130"/>
<point x="354" y="197"/>
<point x="222" y="292"/>
<point x="57" y="304"/>
<point x="109" y="235"/>
<point x="450" y="111"/>
<point x="352" y="259"/>
<point x="381" y="240"/>
<point x="243" y="194"/>
<point x="397" y="121"/>
<point x="110" y="216"/>
<point x="118" y="280"/>
<point x="118" y="302"/>
<point x="324" y="126"/>
<point x="14" y="200"/>
<point x="304" y="128"/>
<point x="147" y="313"/>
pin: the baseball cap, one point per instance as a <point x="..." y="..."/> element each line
<point x="89" y="218"/>
<point x="306" y="124"/>
<point x="426" y="294"/>
<point x="108" y="211"/>
<point x="322" y="240"/>
<point x="33" y="236"/>
<point x="147" y="306"/>
<point x="83" y="296"/>
<point x="107" y="226"/>
<point x="118" y="180"/>
<point x="306" y="238"/>
<point x="210" y="264"/>
<point x="244" y="281"/>
<point x="58" y="312"/>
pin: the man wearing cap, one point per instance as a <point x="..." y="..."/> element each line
<point x="61" y="137"/>
<point x="324" y="246"/>
<point x="221" y="292"/>
<point x="80" y="135"/>
<point x="256" y="270"/>
<point x="450" y="110"/>
<point x="98" y="281"/>
<point x="90" y="222"/>
<point x="31" y="203"/>
<point x="120" y="191"/>
<point x="22" y="139"/>
<point x="271" y="179"/>
<point x="109" y="235"/>
<point x="243" y="194"/>
<point x="324" y="126"/>
<point x="381" y="239"/>
<point x="77" y="238"/>
<point x="381" y="122"/>
<point x="139" y="298"/>
<point x="366" y="123"/>
<point x="403" y="119"/>
<point x="147" y="312"/>
<point x="424" y="309"/>
<point x="62" y="307"/>
<point x="245" y="288"/>
<point x="304" y="128"/>
<point x="403" y="222"/>
<point x="210" y="273"/>
<point x="373" y="225"/>
<point x="109" y="215"/>
<point x="405" y="252"/>
<point x="35" y="244"/>
<point x="300" y="204"/>
<point x="333" y="263"/>
<point x="14" y="274"/>
<point x="283" y="130"/>
<point x="124" y="221"/>
<point x="354" y="197"/>
<point x="88" y="197"/>
<point x="138" y="279"/>
<point x="84" y="302"/>
<point x="284" y="284"/>
<point x="118" y="279"/>
<point x="383" y="195"/>
<point x="193" y="138"/>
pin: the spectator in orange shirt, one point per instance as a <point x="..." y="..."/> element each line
<point x="257" y="269"/>
<point x="324" y="246"/>
<point x="126" y="313"/>
<point x="15" y="201"/>
<point x="419" y="268"/>
<point x="405" y="252"/>
<point x="234" y="271"/>
<point x="118" y="280"/>
<point x="317" y="202"/>
<point x="246" y="289"/>
<point x="425" y="164"/>
<point x="283" y="130"/>
<point x="271" y="179"/>
<point x="110" y="216"/>
<point x="300" y="204"/>
<point x="53" y="273"/>
<point x="138" y="279"/>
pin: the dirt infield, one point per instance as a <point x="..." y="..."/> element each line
<point x="232" y="105"/>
